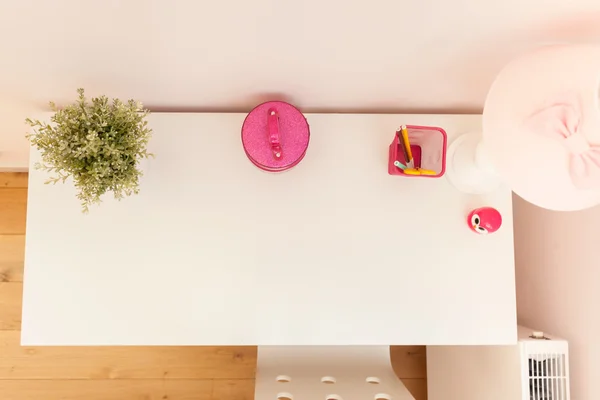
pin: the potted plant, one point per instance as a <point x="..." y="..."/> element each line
<point x="99" y="145"/>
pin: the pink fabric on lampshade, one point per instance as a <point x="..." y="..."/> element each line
<point x="561" y="120"/>
<point x="541" y="126"/>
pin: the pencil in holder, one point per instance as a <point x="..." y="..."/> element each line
<point x="427" y="146"/>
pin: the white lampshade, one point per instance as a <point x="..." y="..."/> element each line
<point x="541" y="128"/>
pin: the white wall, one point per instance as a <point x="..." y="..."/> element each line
<point x="377" y="55"/>
<point x="473" y="373"/>
<point x="558" y="284"/>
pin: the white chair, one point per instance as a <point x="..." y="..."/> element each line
<point x="327" y="373"/>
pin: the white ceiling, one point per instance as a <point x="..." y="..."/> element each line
<point x="376" y="55"/>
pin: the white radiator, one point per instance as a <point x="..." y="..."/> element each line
<point x="544" y="367"/>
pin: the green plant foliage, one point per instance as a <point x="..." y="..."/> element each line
<point x="98" y="144"/>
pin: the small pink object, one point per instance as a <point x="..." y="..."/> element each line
<point x="275" y="136"/>
<point x="484" y="220"/>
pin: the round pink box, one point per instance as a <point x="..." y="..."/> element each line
<point x="275" y="136"/>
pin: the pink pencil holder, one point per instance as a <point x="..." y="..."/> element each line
<point x="275" y="136"/>
<point x="428" y="146"/>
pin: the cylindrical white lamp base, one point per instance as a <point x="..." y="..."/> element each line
<point x="467" y="166"/>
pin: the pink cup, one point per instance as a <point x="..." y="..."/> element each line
<point x="275" y="136"/>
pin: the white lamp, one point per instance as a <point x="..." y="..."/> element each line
<point x="541" y="131"/>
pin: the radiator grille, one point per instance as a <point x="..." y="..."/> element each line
<point x="548" y="377"/>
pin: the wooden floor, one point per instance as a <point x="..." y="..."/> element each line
<point x="123" y="373"/>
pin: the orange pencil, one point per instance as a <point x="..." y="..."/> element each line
<point x="402" y="145"/>
<point x="409" y="157"/>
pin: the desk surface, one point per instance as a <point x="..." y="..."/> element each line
<point x="214" y="251"/>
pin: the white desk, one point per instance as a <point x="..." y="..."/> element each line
<point x="214" y="251"/>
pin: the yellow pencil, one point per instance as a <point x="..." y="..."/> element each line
<point x="419" y="171"/>
<point x="407" y="145"/>
<point x="411" y="171"/>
